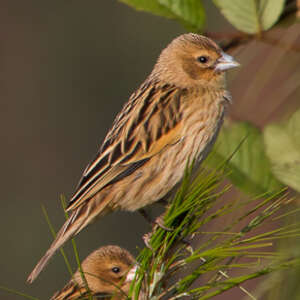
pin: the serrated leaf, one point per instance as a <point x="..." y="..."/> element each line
<point x="152" y="6"/>
<point x="283" y="149"/>
<point x="249" y="166"/>
<point x="251" y="16"/>
<point x="189" y="12"/>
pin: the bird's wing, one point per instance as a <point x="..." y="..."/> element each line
<point x="70" y="291"/>
<point x="147" y="124"/>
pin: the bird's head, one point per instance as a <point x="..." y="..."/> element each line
<point x="192" y="60"/>
<point x="106" y="269"/>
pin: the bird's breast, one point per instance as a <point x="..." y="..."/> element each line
<point x="202" y="118"/>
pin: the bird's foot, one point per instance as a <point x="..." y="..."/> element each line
<point x="146" y="239"/>
<point x="160" y="223"/>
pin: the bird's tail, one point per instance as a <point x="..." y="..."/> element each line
<point x="79" y="218"/>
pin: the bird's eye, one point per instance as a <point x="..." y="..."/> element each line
<point x="202" y="59"/>
<point x="116" y="269"/>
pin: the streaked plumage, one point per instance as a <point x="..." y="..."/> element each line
<point x="107" y="275"/>
<point x="174" y="116"/>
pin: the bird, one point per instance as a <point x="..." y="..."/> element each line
<point x="172" y="118"/>
<point x="108" y="271"/>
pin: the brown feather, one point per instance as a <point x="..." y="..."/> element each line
<point x="139" y="127"/>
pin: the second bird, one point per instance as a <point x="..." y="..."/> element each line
<point x="104" y="271"/>
<point x="174" y="116"/>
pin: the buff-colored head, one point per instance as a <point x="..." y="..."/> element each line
<point x="191" y="60"/>
<point x="108" y="271"/>
<point x="109" y="265"/>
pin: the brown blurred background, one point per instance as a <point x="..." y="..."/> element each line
<point x="66" y="68"/>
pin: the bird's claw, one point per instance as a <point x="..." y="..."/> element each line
<point x="160" y="223"/>
<point x="146" y="239"/>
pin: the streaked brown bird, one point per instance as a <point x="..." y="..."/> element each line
<point x="174" y="116"/>
<point x="108" y="271"/>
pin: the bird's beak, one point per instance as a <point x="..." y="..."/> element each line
<point x="131" y="274"/>
<point x="226" y="62"/>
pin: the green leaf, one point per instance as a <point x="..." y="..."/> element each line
<point x="251" y="16"/>
<point x="152" y="6"/>
<point x="283" y="149"/>
<point x="189" y="12"/>
<point x="249" y="166"/>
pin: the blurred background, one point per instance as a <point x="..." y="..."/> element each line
<point x="66" y="68"/>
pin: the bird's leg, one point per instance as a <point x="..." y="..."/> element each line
<point x="146" y="236"/>
<point x="143" y="212"/>
<point x="158" y="221"/>
<point x="164" y="202"/>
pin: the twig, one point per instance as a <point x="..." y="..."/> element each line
<point x="235" y="40"/>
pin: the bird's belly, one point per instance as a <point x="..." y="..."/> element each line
<point x="161" y="173"/>
<point x="154" y="180"/>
